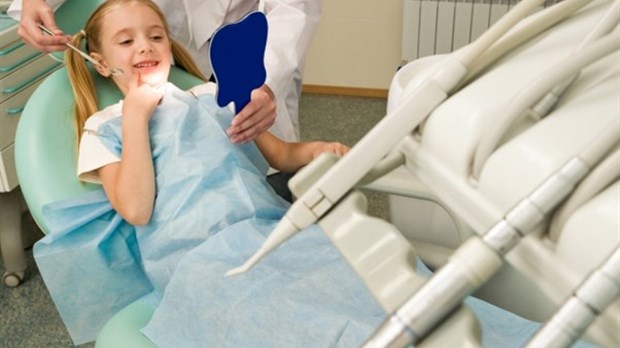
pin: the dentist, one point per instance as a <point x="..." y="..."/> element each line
<point x="273" y="106"/>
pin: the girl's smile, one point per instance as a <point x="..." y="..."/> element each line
<point x="133" y="38"/>
<point x="146" y="67"/>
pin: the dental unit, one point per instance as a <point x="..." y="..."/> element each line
<point x="588" y="172"/>
<point x="479" y="258"/>
<point x="423" y="98"/>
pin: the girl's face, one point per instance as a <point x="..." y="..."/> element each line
<point x="133" y="39"/>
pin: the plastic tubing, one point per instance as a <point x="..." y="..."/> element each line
<point x="532" y="93"/>
<point x="604" y="26"/>
<point x="601" y="177"/>
<point x="517" y="37"/>
<point x="477" y="48"/>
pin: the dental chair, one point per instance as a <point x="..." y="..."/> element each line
<point x="46" y="158"/>
<point x="46" y="155"/>
<point x="538" y="275"/>
<point x="46" y="163"/>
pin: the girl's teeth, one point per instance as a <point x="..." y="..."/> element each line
<point x="143" y="65"/>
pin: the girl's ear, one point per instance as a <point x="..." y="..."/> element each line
<point x="100" y="67"/>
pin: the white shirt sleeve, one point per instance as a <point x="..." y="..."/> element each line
<point x="292" y="24"/>
<point x="15" y="10"/>
<point x="93" y="153"/>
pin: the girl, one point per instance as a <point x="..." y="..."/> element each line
<point x="146" y="57"/>
<point x="200" y="206"/>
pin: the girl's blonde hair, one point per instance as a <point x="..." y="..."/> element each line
<point x="86" y="102"/>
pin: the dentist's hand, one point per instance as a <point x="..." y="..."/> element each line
<point x="38" y="11"/>
<point x="255" y="118"/>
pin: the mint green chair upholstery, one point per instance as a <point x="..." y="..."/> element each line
<point x="46" y="161"/>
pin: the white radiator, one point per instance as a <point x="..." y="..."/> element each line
<point x="441" y="26"/>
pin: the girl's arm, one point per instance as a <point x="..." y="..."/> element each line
<point x="130" y="183"/>
<point x="289" y="157"/>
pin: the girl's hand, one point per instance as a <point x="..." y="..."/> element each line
<point x="255" y="118"/>
<point x="141" y="99"/>
<point x="289" y="157"/>
<point x="337" y="149"/>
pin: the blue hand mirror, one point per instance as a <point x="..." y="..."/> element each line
<point x="237" y="54"/>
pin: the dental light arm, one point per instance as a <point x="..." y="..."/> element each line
<point x="347" y="172"/>
<point x="478" y="259"/>
<point x="598" y="291"/>
<point x="533" y="93"/>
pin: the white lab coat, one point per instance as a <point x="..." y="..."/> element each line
<point x="292" y="24"/>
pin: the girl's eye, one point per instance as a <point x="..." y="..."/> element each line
<point x="157" y="37"/>
<point x="125" y="42"/>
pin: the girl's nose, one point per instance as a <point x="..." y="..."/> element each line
<point x="145" y="46"/>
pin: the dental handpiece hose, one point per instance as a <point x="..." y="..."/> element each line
<point x="478" y="259"/>
<point x="604" y="26"/>
<point x="579" y="312"/>
<point x="375" y="145"/>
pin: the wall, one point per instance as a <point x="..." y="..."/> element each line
<point x="357" y="44"/>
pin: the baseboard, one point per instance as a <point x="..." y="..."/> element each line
<point x="346" y="91"/>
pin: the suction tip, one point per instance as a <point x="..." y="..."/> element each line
<point x="249" y="263"/>
<point x="281" y="233"/>
<point x="241" y="269"/>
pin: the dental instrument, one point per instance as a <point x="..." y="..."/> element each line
<point x="536" y="90"/>
<point x="481" y="257"/>
<point x="113" y="71"/>
<point x="422" y="100"/>
<point x="598" y="291"/>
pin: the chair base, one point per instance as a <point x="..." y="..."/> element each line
<point x="123" y="330"/>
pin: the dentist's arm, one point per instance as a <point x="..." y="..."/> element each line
<point x="31" y="12"/>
